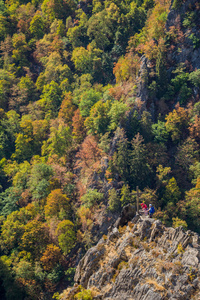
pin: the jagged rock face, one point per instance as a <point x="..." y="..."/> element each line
<point x="142" y="90"/>
<point x="143" y="261"/>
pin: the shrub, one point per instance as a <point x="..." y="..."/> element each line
<point x="91" y="198"/>
<point x="188" y="21"/>
<point x="194" y="77"/>
<point x="122" y="229"/>
<point x="105" y="237"/>
<point x="133" y="261"/>
<point x="180" y="249"/>
<point x="178" y="222"/>
<point x="113" y="200"/>
<point x="84" y="295"/>
<point x="70" y="275"/>
<point x="122" y="265"/>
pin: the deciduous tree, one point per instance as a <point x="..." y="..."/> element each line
<point x="66" y="235"/>
<point x="57" y="205"/>
<point x="50" y="257"/>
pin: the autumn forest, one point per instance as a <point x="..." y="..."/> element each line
<point x="97" y="97"/>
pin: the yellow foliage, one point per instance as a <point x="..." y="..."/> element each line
<point x="127" y="67"/>
<point x="180" y="249"/>
<point x="57" y="204"/>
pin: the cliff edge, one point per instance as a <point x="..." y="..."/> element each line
<point x="142" y="260"/>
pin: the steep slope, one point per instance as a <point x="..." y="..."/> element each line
<point x="143" y="260"/>
<point x="98" y="98"/>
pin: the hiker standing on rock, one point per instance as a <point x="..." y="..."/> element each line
<point x="151" y="210"/>
<point x="144" y="209"/>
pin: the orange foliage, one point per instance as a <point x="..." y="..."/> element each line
<point x="175" y="32"/>
<point x="57" y="44"/>
<point x="42" y="49"/>
<point x="25" y="198"/>
<point x="89" y="154"/>
<point x="53" y="224"/>
<point x="61" y="175"/>
<point x="88" y="162"/>
<point x="81" y="187"/>
<point x="35" y="237"/>
<point x="127" y="67"/>
<point x="50" y="257"/>
<point x="49" y="285"/>
<point x="121" y="90"/>
<point x="30" y="285"/>
<point x="150" y="48"/>
<point x="67" y="109"/>
<point x="79" y="131"/>
<point x="23" y="26"/>
<point x="153" y="34"/>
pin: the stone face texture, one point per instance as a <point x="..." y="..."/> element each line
<point x="89" y="264"/>
<point x="143" y="261"/>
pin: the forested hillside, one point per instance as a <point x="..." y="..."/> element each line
<point x="96" y="98"/>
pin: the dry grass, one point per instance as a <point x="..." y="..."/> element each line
<point x="121" y="265"/>
<point x="131" y="225"/>
<point x="155" y="253"/>
<point x="129" y="251"/>
<point x="136" y="243"/>
<point x="95" y="291"/>
<point x="122" y="229"/>
<point x="163" y="266"/>
<point x="100" y="247"/>
<point x="105" y="237"/>
<point x="153" y="244"/>
<point x="134" y="261"/>
<point x="177" y="268"/>
<point x="157" y="286"/>
<point x="145" y="246"/>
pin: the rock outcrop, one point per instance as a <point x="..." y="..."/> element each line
<point x="142" y="260"/>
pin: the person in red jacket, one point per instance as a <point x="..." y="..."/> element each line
<point x="144" y="209"/>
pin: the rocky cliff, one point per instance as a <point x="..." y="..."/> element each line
<point x="142" y="260"/>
